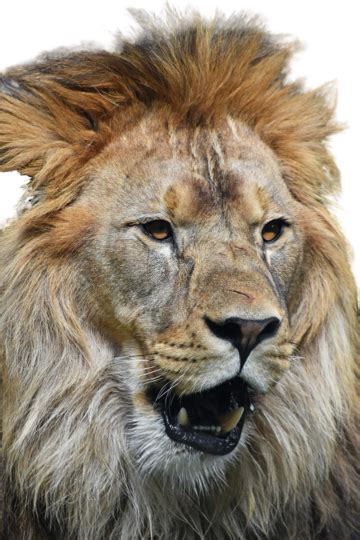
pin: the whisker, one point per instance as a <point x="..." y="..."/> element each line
<point x="149" y="371"/>
<point x="154" y="379"/>
<point x="151" y="379"/>
<point x="173" y="386"/>
<point x="152" y="374"/>
<point x="167" y="387"/>
<point x="146" y="359"/>
<point x="146" y="369"/>
<point x="295" y="357"/>
<point x="143" y="357"/>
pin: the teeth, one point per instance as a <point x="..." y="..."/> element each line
<point x="229" y="421"/>
<point x="215" y="429"/>
<point x="183" y="418"/>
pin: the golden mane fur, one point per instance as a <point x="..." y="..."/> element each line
<point x="67" y="475"/>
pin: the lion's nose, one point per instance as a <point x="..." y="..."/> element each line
<point x="244" y="334"/>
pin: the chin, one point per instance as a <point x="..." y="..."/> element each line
<point x="158" y="456"/>
<point x="191" y="440"/>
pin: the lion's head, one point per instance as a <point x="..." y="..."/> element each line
<point x="179" y="316"/>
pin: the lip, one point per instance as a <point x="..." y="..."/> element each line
<point x="229" y="400"/>
<point x="209" y="444"/>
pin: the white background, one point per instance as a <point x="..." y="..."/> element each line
<point x="328" y="30"/>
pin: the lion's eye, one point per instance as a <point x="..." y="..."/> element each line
<point x="273" y="230"/>
<point x="158" y="229"/>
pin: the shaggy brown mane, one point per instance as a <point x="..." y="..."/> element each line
<point x="197" y="69"/>
<point x="58" y="116"/>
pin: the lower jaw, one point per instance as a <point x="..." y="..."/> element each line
<point x="209" y="444"/>
<point x="210" y="421"/>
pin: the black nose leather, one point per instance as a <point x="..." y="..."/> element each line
<point x="244" y="334"/>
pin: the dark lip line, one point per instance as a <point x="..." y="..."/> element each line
<point x="204" y="442"/>
<point x="196" y="440"/>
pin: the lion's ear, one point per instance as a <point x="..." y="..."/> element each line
<point x="48" y="125"/>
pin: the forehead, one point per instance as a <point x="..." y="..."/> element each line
<point x="192" y="173"/>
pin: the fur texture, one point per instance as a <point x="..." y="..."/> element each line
<point x="92" y="311"/>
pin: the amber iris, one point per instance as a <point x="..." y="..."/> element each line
<point x="273" y="230"/>
<point x="158" y="229"/>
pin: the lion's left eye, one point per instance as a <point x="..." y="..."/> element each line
<point x="158" y="229"/>
<point x="273" y="230"/>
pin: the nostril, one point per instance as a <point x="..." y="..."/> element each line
<point x="244" y="334"/>
<point x="270" y="329"/>
<point x="223" y="330"/>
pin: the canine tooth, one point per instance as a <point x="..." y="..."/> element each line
<point x="229" y="421"/>
<point x="252" y="407"/>
<point x="183" y="418"/>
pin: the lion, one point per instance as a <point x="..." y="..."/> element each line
<point x="178" y="315"/>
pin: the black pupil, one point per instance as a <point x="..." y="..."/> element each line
<point x="275" y="226"/>
<point x="159" y="229"/>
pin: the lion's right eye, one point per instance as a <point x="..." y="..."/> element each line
<point x="273" y="230"/>
<point x="158" y="229"/>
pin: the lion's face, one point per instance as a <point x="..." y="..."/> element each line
<point x="191" y="281"/>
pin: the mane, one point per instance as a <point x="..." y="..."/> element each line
<point x="300" y="469"/>
<point x="199" y="70"/>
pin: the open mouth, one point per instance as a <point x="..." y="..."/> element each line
<point x="210" y="421"/>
